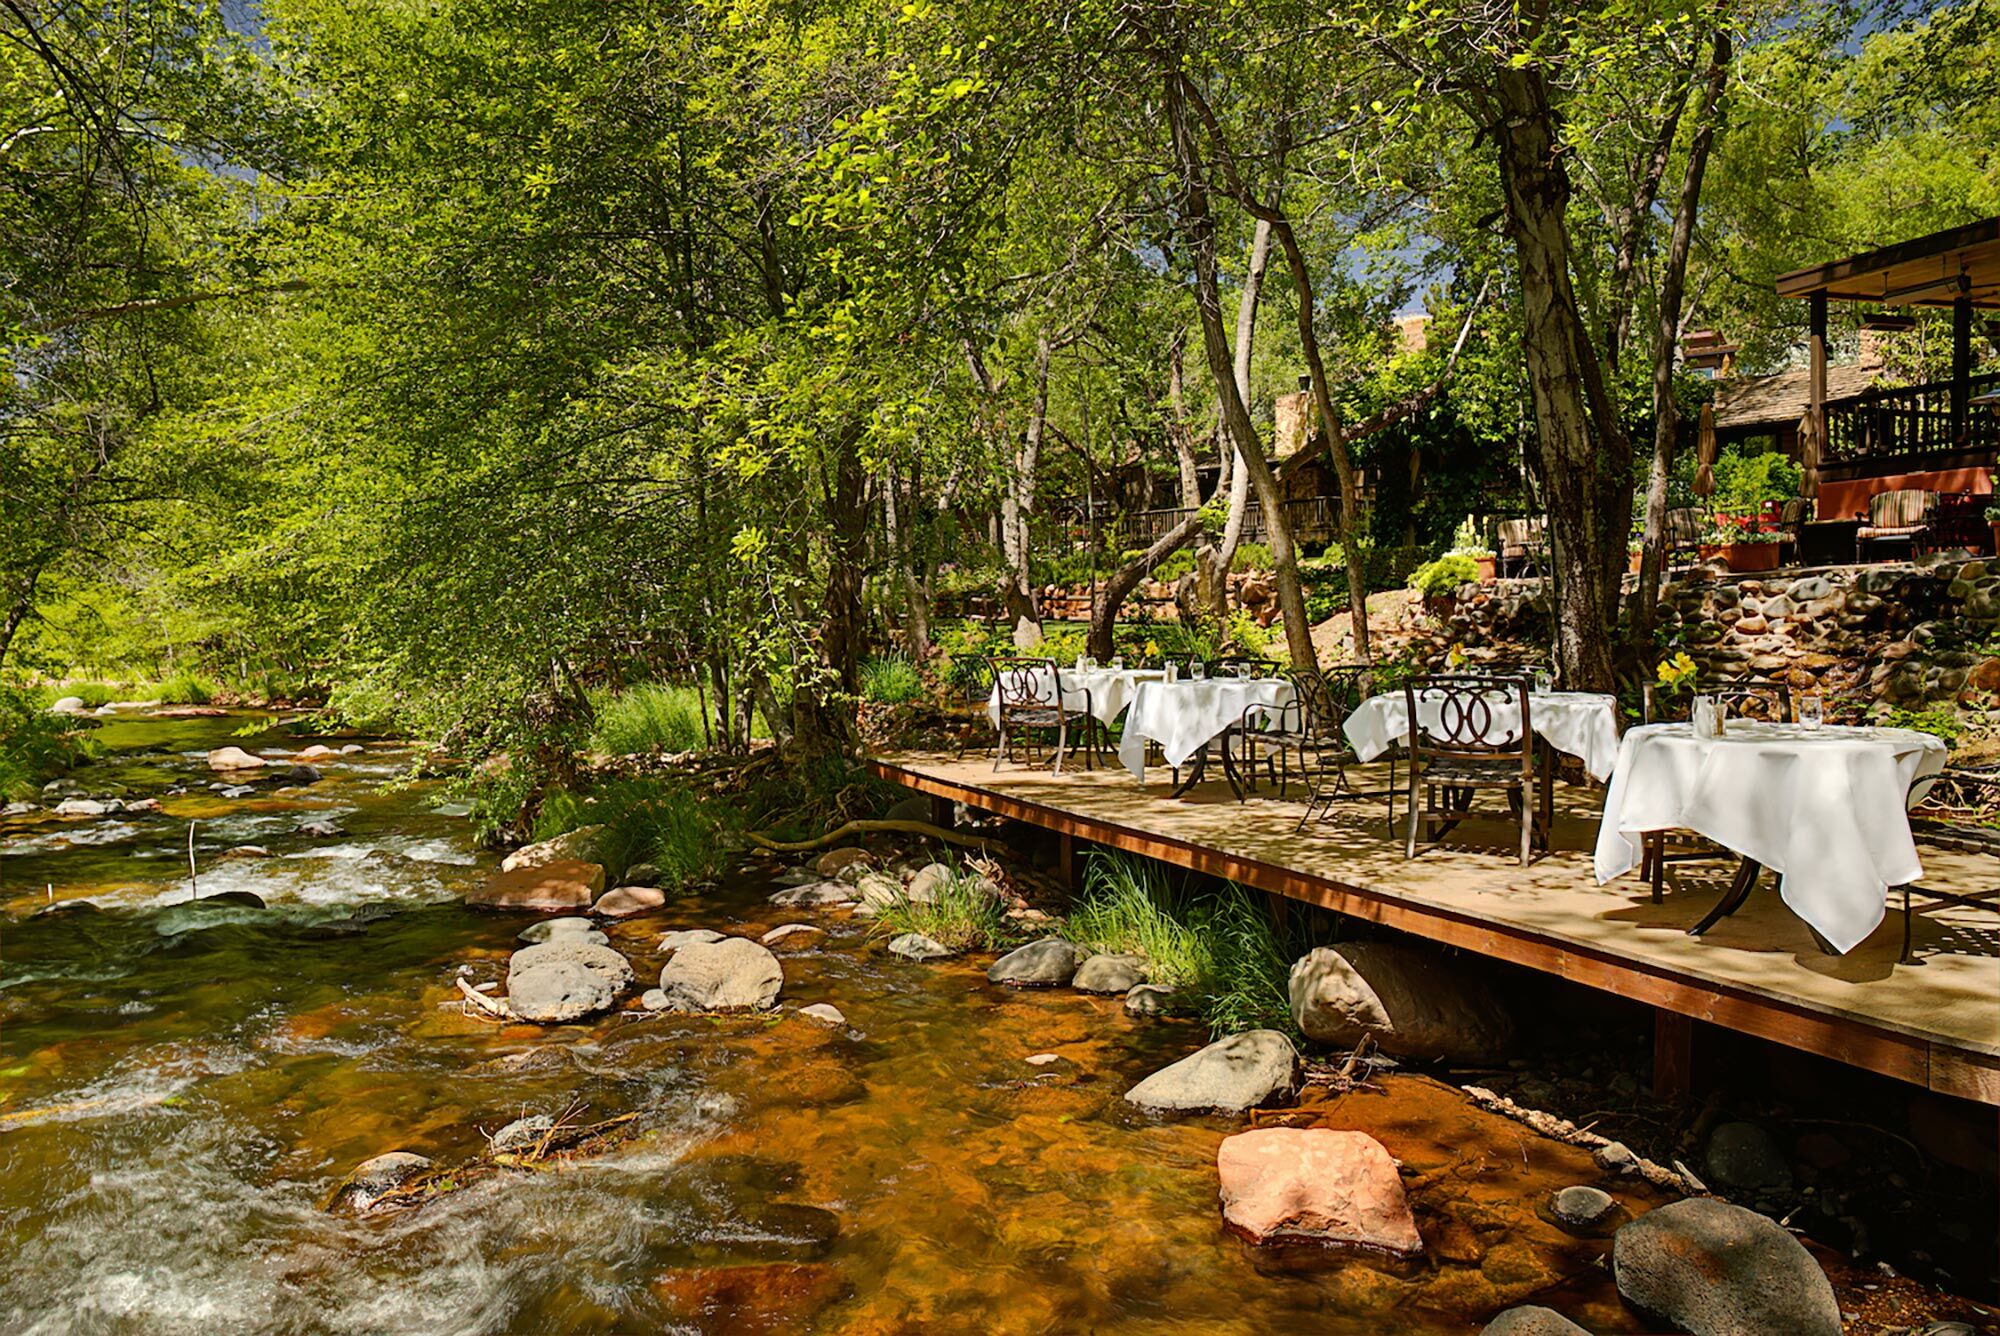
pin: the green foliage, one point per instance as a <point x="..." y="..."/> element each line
<point x="1131" y="906"/>
<point x="1253" y="557"/>
<point x="659" y="821"/>
<point x="35" y="746"/>
<point x="890" y="679"/>
<point x="1174" y="565"/>
<point x="187" y="688"/>
<point x="1940" y="721"/>
<point x="965" y="916"/>
<point x="1434" y="579"/>
<point x="94" y="695"/>
<point x="655" y="717"/>
<point x="1744" y="482"/>
<point x="1248" y="637"/>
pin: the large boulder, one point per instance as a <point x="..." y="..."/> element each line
<point x="1710" y="1268"/>
<point x="1744" y="1157"/>
<point x="551" y="888"/>
<point x="1532" y="1320"/>
<point x="1409" y="1000"/>
<point x="1317" y="1185"/>
<point x="1233" y="1074"/>
<point x="226" y="759"/>
<point x="564" y="979"/>
<point x="734" y="974"/>
<point x="1109" y="974"/>
<point x="574" y="846"/>
<point x="1048" y="963"/>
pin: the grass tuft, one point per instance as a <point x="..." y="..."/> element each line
<point x="652" y="821"/>
<point x="186" y="688"/>
<point x="654" y="717"/>
<point x="965" y="916"/>
<point x="890" y="679"/>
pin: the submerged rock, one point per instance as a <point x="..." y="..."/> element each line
<point x="627" y="901"/>
<point x="1048" y="963"/>
<point x="815" y="893"/>
<point x="375" y="1178"/>
<point x="734" y="974"/>
<point x="916" y="946"/>
<point x="321" y="828"/>
<point x="569" y="929"/>
<point x="787" y="932"/>
<point x="521" y="1134"/>
<point x="248" y="899"/>
<point x="575" y="846"/>
<point x="1149" y="999"/>
<point x="1315" y="1184"/>
<point x="834" y="861"/>
<point x="1233" y="1074"/>
<point x="1408" y="999"/>
<point x="564" y="980"/>
<point x="1583" y="1209"/>
<point x="82" y="807"/>
<point x="547" y="888"/>
<point x="1109" y="974"/>
<point x="1532" y="1320"/>
<point x="1710" y="1268"/>
<point x="825" y="1013"/>
<point x="653" y="1000"/>
<point x="674" y="941"/>
<point x="319" y="751"/>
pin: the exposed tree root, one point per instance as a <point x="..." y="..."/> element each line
<point x="869" y="827"/>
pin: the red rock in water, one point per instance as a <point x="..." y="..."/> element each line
<point x="234" y="758"/>
<point x="1316" y="1185"/>
<point x="561" y="887"/>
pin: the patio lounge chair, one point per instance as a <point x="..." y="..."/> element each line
<point x="1904" y="515"/>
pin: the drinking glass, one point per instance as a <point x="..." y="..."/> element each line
<point x="1543" y="682"/>
<point x="1118" y="663"/>
<point x="1089" y="664"/>
<point x="1243" y="672"/>
<point x="1173" y="671"/>
<point x="1198" y="670"/>
<point x="1812" y="710"/>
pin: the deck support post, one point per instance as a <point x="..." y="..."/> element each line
<point x="943" y="811"/>
<point x="1673" y="1055"/>
<point x="1066" y="861"/>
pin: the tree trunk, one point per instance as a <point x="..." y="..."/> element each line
<point x="823" y="719"/>
<point x="1216" y="561"/>
<point x="1666" y="413"/>
<point x="1586" y="457"/>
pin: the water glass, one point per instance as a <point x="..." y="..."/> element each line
<point x="1705" y="718"/>
<point x="1198" y="670"/>
<point x="1812" y="710"/>
<point x="1089" y="664"/>
<point x="1243" y="672"/>
<point x="1173" y="671"/>
<point x="1118" y="663"/>
<point x="1544" y="684"/>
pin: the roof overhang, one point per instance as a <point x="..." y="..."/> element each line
<point x="1930" y="271"/>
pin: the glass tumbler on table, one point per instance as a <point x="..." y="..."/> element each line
<point x="1198" y="670"/>
<point x="1812" y="710"/>
<point x="1118" y="663"/>
<point x="1544" y="684"/>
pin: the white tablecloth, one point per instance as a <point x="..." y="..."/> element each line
<point x="1582" y="724"/>
<point x="1824" y="808"/>
<point x="1184" y="716"/>
<point x="1110" y="690"/>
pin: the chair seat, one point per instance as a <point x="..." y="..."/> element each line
<point x="1891" y="531"/>
<point x="1032" y="715"/>
<point x="1473" y="772"/>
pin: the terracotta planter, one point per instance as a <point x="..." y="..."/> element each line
<point x="1709" y="550"/>
<point x="1489" y="567"/>
<point x="1633" y="560"/>
<point x="1751" y="556"/>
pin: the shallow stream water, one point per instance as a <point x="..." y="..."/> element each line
<point x="182" y="1084"/>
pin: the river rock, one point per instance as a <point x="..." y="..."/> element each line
<point x="818" y="893"/>
<point x="1410" y="1000"/>
<point x="234" y="758"/>
<point x="1532" y="1320"/>
<point x="319" y="751"/>
<point x="835" y="861"/>
<point x="375" y="1178"/>
<point x="626" y="901"/>
<point x="521" y="1134"/>
<point x="674" y="941"/>
<point x="653" y="999"/>
<point x="247" y="851"/>
<point x="878" y="890"/>
<point x="916" y="946"/>
<point x="564" y="980"/>
<point x="549" y="888"/>
<point x="790" y="932"/>
<point x="321" y="828"/>
<point x="1233" y="1074"/>
<point x="574" y="846"/>
<point x="1711" y="1268"/>
<point x="569" y="929"/>
<point x="1044" y="964"/>
<point x="69" y="705"/>
<point x="352" y="749"/>
<point x="1109" y="974"/>
<point x="1744" y="1157"/>
<point x="1583" y="1208"/>
<point x="80" y="807"/>
<point x="927" y="882"/>
<point x="825" y="1013"/>
<point x="1149" y="999"/>
<point x="734" y="974"/>
<point x="642" y="874"/>
<point x="1315" y="1184"/>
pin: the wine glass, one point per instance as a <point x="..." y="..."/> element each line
<point x="1544" y="684"/>
<point x="1812" y="710"/>
<point x="1198" y="671"/>
<point x="1243" y="672"/>
<point x="1118" y="663"/>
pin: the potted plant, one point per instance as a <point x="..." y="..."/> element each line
<point x="1468" y="542"/>
<point x="1746" y="546"/>
<point x="1635" y="553"/>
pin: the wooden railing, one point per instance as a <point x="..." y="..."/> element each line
<point x="1314" y="519"/>
<point x="1912" y="422"/>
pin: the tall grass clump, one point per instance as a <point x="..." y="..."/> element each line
<point x="1218" y="947"/>
<point x="186" y="688"/>
<point x="890" y="679"/>
<point x="653" y="717"/>
<point x="965" y="915"/>
<point x="657" y="821"/>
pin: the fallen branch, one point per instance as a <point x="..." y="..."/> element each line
<point x="491" y="1006"/>
<point x="866" y="827"/>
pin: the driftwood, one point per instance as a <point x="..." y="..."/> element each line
<point x="864" y="827"/>
<point x="491" y="1006"/>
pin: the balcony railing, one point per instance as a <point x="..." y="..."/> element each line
<point x="1314" y="519"/>
<point x="1912" y="423"/>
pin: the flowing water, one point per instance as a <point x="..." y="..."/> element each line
<point x="183" y="1083"/>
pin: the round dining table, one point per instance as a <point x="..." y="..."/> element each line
<point x="1583" y="724"/>
<point x="1184" y="716"/>
<point x="1826" y="808"/>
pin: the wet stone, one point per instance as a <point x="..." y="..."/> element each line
<point x="1707" y="1266"/>
<point x="674" y="941"/>
<point x="1149" y="999"/>
<point x="825" y="1013"/>
<point x="1048" y="963"/>
<point x="1109" y="974"/>
<point x="374" y="1178"/>
<point x="815" y="893"/>
<point x="578" y="929"/>
<point x="734" y="974"/>
<point x="1583" y="1209"/>
<point x="916" y="946"/>
<point x="1532" y="1320"/>
<point x="795" y="933"/>
<point x="521" y="1134"/>
<point x="1233" y="1074"/>
<point x="1743" y="1156"/>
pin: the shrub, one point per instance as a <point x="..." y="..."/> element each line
<point x="1174" y="565"/>
<point x="1941" y="722"/>
<point x="1250" y="638"/>
<point x="890" y="679"/>
<point x="1435" y="579"/>
<point x="965" y="915"/>
<point x="1745" y="482"/>
<point x="653" y="821"/>
<point x="187" y="688"/>
<point x="653" y="717"/>
<point x="1253" y="557"/>
<point x="35" y="745"/>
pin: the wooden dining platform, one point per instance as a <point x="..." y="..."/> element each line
<point x="1933" y="1021"/>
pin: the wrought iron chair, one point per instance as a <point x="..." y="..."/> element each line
<point x="1312" y="729"/>
<point x="1469" y="748"/>
<point x="1769" y="701"/>
<point x="1032" y="699"/>
<point x="1792" y="516"/>
<point x="1683" y="533"/>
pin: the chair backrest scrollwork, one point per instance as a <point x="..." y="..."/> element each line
<point x="1468" y="717"/>
<point x="1028" y="684"/>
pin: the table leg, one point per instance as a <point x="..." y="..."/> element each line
<point x="1196" y="765"/>
<point x="1732" y="899"/>
<point x="1229" y="770"/>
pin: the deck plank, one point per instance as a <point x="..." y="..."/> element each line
<point x="1935" y="1024"/>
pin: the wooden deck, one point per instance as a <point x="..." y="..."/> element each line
<point x="1934" y="1023"/>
